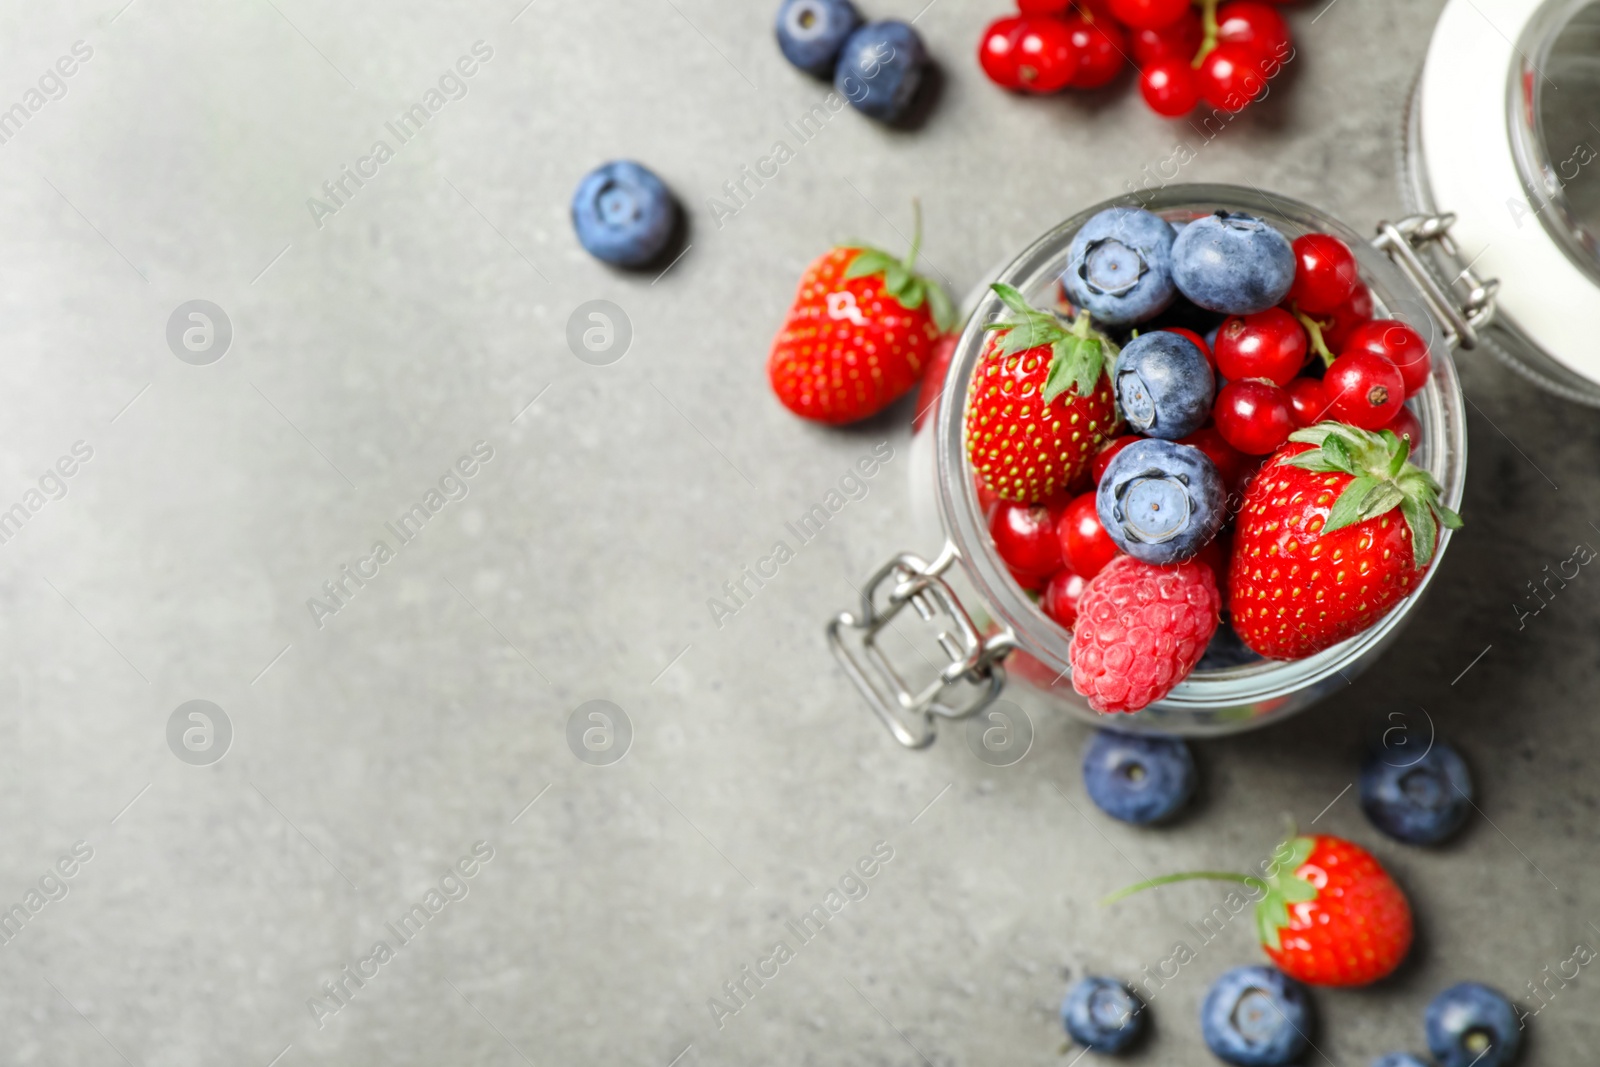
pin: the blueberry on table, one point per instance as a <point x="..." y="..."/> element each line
<point x="623" y="214"/>
<point x="811" y="32"/>
<point x="1233" y="263"/>
<point x="1161" y="502"/>
<point x="1137" y="778"/>
<point x="1471" y="1025"/>
<point x="1164" y="385"/>
<point x="881" y="68"/>
<point x="1420" y="802"/>
<point x="1103" y="1015"/>
<point x="1119" y="266"/>
<point x="1256" y="1017"/>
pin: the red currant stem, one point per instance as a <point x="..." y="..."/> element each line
<point x="1187" y="876"/>
<point x="1314" y="330"/>
<point x="1208" y="22"/>
<point x="1085" y="14"/>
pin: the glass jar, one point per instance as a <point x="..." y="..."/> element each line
<point x="993" y="636"/>
<point x="1516" y="158"/>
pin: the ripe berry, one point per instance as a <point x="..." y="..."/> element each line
<point x="1270" y="344"/>
<point x="1047" y="55"/>
<point x="1199" y="342"/>
<point x="1471" y="1023"/>
<point x="997" y="52"/>
<point x="1060" y="600"/>
<point x="1255" y="27"/>
<point x="1149" y="14"/>
<point x="1179" y="40"/>
<point x="1398" y="343"/>
<point x="1168" y="86"/>
<point x="1044" y="7"/>
<point x="1325" y="273"/>
<point x="1140" y="779"/>
<point x="1162" y="502"/>
<point x="1102" y="47"/>
<point x="1256" y="1016"/>
<point x="1419" y="800"/>
<point x="1141" y="629"/>
<point x="1347" y="316"/>
<point x="1104" y="1015"/>
<point x="1363" y="389"/>
<point x="1308" y="401"/>
<point x="1025" y="537"/>
<point x="1103" y="458"/>
<point x="1230" y="77"/>
<point x="1253" y="416"/>
<point x="1085" y="545"/>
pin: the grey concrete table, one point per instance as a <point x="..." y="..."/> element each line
<point x="396" y="764"/>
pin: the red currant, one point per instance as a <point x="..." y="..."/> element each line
<point x="1085" y="545"/>
<point x="1103" y="458"/>
<point x="1229" y="77"/>
<point x="1025" y="537"/>
<point x="1047" y="55"/>
<point x="1060" y="600"/>
<point x="997" y="52"/>
<point x="1229" y="461"/>
<point x="1325" y="273"/>
<point x="1168" y="86"/>
<point x="1181" y="40"/>
<point x="1405" y="425"/>
<point x="1198" y="341"/>
<point x="1270" y="344"/>
<point x="1044" y="7"/>
<point x="1102" y="47"/>
<point x="1149" y="14"/>
<point x="1309" y="401"/>
<point x="1253" y="416"/>
<point x="1364" y="389"/>
<point x="1397" y="343"/>
<point x="1352" y="313"/>
<point x="1256" y="27"/>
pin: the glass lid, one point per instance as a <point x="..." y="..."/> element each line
<point x="1507" y="138"/>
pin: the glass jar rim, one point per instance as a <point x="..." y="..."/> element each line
<point x="1440" y="412"/>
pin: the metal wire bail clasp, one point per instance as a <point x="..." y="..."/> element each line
<point x="1464" y="315"/>
<point x="970" y="681"/>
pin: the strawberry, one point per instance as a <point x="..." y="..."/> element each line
<point x="1327" y="913"/>
<point x="1040" y="404"/>
<point x="859" y="336"/>
<point x="1335" y="529"/>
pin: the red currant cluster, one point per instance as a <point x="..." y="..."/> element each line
<point x="1224" y="55"/>
<point x="1365" y="371"/>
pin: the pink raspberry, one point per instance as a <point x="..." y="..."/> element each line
<point x="1141" y="629"/>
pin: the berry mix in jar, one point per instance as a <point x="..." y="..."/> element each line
<point x="1204" y="431"/>
<point x="1192" y="456"/>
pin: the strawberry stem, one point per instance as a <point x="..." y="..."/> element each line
<point x="1186" y="876"/>
<point x="1208" y="23"/>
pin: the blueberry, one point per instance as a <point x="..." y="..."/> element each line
<point x="811" y="32"/>
<point x="1119" y="267"/>
<point x="1164" y="385"/>
<point x="1103" y="1015"/>
<point x="1256" y="1017"/>
<point x="1160" y="501"/>
<point x="1233" y="263"/>
<point x="1226" y="650"/>
<point x="1471" y="1024"/>
<point x="1420" y="802"/>
<point x="881" y="69"/>
<point x="1138" y="778"/>
<point x="624" y="215"/>
<point x="1398" y="1059"/>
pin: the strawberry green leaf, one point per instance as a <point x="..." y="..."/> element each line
<point x="1424" y="530"/>
<point x="868" y="262"/>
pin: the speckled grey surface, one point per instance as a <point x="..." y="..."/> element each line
<point x="370" y="754"/>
